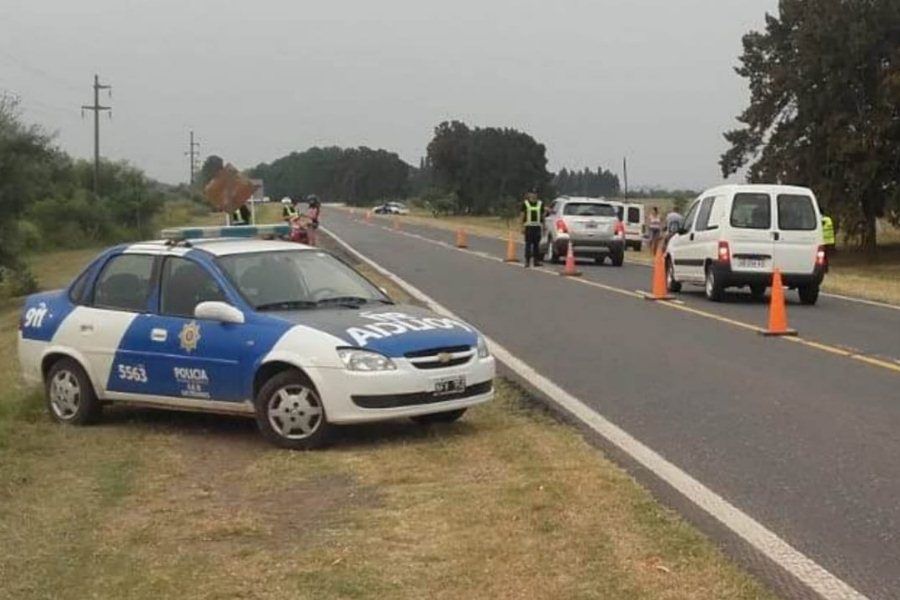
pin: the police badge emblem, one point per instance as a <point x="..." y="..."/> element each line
<point x="189" y="336"/>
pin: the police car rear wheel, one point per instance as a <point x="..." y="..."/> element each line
<point x="70" y="395"/>
<point x="290" y="414"/>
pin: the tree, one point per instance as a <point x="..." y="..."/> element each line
<point x="212" y="165"/>
<point x="483" y="166"/>
<point x="825" y="107"/>
<point x="587" y="183"/>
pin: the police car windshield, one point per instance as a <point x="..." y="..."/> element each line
<point x="589" y="209"/>
<point x="297" y="279"/>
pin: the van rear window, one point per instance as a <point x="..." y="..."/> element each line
<point x="634" y="214"/>
<point x="796" y="213"/>
<point x="751" y="211"/>
<point x="589" y="209"/>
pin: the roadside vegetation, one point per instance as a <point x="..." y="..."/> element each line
<point x="506" y="503"/>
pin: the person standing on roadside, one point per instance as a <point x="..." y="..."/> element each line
<point x="654" y="226"/>
<point x="315" y="208"/>
<point x="674" y="221"/>
<point x="288" y="212"/>
<point x="828" y="238"/>
<point x="241" y="216"/>
<point x="532" y="227"/>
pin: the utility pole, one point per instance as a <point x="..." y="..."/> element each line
<point x="97" y="109"/>
<point x="625" y="174"/>
<point x="193" y="152"/>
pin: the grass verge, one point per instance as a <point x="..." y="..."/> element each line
<point x="507" y="503"/>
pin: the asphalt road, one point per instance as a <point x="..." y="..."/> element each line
<point x="801" y="439"/>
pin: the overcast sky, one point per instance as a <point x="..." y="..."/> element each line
<point x="592" y="79"/>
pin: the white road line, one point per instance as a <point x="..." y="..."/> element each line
<point x="810" y="573"/>
<point x="862" y="301"/>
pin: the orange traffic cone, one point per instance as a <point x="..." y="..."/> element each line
<point x="659" y="292"/>
<point x="461" y="240"/>
<point x="778" y="324"/>
<point x="511" y="249"/>
<point x="570" y="270"/>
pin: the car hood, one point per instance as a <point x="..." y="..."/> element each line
<point x="393" y="330"/>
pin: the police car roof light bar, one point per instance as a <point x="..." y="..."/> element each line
<point x="181" y="234"/>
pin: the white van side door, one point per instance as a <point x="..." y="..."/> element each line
<point x="798" y="233"/>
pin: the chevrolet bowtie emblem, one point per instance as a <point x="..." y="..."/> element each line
<point x="444" y="358"/>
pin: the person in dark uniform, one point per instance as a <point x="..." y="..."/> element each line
<point x="241" y="216"/>
<point x="533" y="227"/>
<point x="315" y="209"/>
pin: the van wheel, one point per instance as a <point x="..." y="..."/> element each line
<point x="809" y="294"/>
<point x="290" y="414"/>
<point x="672" y="284"/>
<point x="714" y="288"/>
<point x="70" y="395"/>
<point x="757" y="291"/>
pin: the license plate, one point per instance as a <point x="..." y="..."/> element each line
<point x="590" y="226"/>
<point x="450" y="385"/>
<point x="752" y="263"/>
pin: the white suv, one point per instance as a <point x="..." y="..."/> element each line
<point x="736" y="235"/>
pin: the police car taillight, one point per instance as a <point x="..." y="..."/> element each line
<point x="821" y="257"/>
<point x="724" y="252"/>
<point x="561" y="226"/>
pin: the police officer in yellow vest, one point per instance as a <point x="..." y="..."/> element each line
<point x="532" y="220"/>
<point x="241" y="216"/>
<point x="828" y="235"/>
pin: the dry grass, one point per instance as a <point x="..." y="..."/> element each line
<point x="507" y="503"/>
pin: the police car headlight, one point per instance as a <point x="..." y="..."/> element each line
<point x="483" y="351"/>
<point x="365" y="360"/>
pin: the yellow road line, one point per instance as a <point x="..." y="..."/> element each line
<point x="872" y="361"/>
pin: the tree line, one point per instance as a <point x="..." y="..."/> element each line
<point x="824" y="109"/>
<point x="47" y="199"/>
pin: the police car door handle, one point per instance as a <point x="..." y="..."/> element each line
<point x="86" y="328"/>
<point x="159" y="335"/>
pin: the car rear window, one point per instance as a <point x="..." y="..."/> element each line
<point x="796" y="213"/>
<point x="751" y="211"/>
<point x="589" y="209"/>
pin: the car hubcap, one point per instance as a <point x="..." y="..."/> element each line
<point x="65" y="395"/>
<point x="295" y="412"/>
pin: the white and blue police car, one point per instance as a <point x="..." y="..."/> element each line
<point x="288" y="334"/>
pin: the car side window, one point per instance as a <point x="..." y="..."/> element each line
<point x="689" y="218"/>
<point x="703" y="214"/>
<point x="124" y="283"/>
<point x="185" y="284"/>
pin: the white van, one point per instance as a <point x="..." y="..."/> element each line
<point x="736" y="235"/>
<point x="632" y="215"/>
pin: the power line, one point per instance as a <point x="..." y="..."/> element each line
<point x="96" y="108"/>
<point x="194" y="153"/>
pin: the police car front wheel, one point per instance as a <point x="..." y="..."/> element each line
<point x="290" y="414"/>
<point x="70" y="395"/>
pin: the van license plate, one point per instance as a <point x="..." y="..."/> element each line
<point x="751" y="263"/>
<point x="450" y="385"/>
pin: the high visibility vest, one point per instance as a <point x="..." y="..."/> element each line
<point x="533" y="212"/>
<point x="827" y="231"/>
<point x="289" y="212"/>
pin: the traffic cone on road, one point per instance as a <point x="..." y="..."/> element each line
<point x="778" y="324"/>
<point x="461" y="239"/>
<point x="511" y="249"/>
<point x="570" y="270"/>
<point x="659" y="291"/>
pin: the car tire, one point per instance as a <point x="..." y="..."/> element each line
<point x="618" y="257"/>
<point x="442" y="417"/>
<point x="70" y="395"/>
<point x="809" y="294"/>
<point x="554" y="257"/>
<point x="758" y="291"/>
<point x="599" y="259"/>
<point x="290" y="413"/>
<point x="713" y="287"/>
<point x="672" y="284"/>
<point x="638" y="247"/>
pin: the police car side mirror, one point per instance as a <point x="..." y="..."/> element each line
<point x="219" y="311"/>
